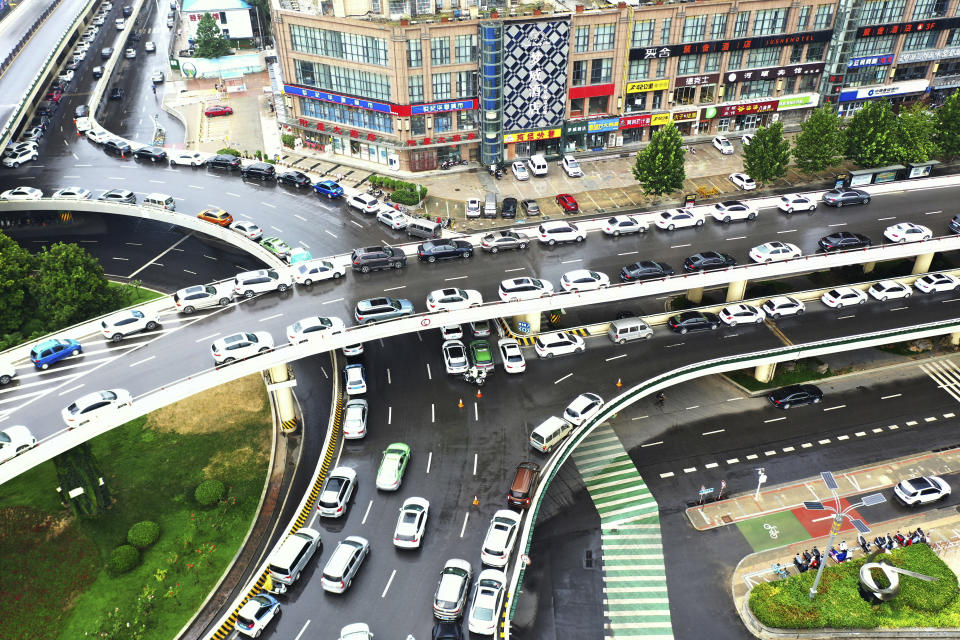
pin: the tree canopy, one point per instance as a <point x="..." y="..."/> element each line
<point x="766" y="157"/>
<point x="209" y="41"/>
<point x="820" y="143"/>
<point x="873" y="134"/>
<point x="659" y="166"/>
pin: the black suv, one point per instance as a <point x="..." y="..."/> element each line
<point x="794" y="395"/>
<point x="367" y="259"/>
<point x="224" y="161"/>
<point x="262" y="170"/>
<point x="116" y="93"/>
<point x="509" y="208"/>
<point x="842" y="240"/>
<point x="694" y="321"/>
<point x="154" y="154"/>
<point x="708" y="260"/>
<point x="645" y="270"/>
<point x="294" y="178"/>
<point x="116" y="147"/>
<point x="444" y="250"/>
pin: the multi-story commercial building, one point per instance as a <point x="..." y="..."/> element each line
<point x="411" y="83"/>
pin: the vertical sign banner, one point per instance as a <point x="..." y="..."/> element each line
<point x="535" y="74"/>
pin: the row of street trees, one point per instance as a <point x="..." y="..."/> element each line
<point x="874" y="137"/>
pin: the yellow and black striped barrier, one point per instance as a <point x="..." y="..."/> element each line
<point x="66" y="216"/>
<point x="288" y="425"/>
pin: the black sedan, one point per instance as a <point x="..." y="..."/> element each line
<point x="694" y="321"/>
<point x="841" y="197"/>
<point x="154" y="154"/>
<point x="444" y="250"/>
<point x="842" y="240"/>
<point x="795" y="395"/>
<point x="954" y="225"/>
<point x="294" y="178"/>
<point x="116" y="93"/>
<point x="116" y="147"/>
<point x="224" y="161"/>
<point x="509" y="208"/>
<point x="707" y="261"/>
<point x="645" y="270"/>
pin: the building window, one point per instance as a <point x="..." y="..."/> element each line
<point x="576" y="107"/>
<point x="796" y="54"/>
<point x="466" y="48"/>
<point x="349" y="116"/>
<point x="804" y="18"/>
<point x="581" y="41"/>
<point x="741" y="25"/>
<point x="418" y="125"/>
<point x="694" y="28"/>
<point x="729" y="92"/>
<point x="341" y="79"/>
<point x="881" y="11"/>
<point x="688" y="65"/>
<point x="708" y="93"/>
<point x="911" y="72"/>
<point x="665" y="26"/>
<point x="808" y="84"/>
<point x="603" y="37"/>
<point x="305" y="74"/>
<point x="657" y="100"/>
<point x="579" y="73"/>
<point x="439" y="51"/>
<point x="661" y="67"/>
<point x="637" y="102"/>
<point x="441" y="86"/>
<point x="756" y="89"/>
<point x="338" y="44"/>
<point x="815" y="51"/>
<point x="601" y="71"/>
<point x="684" y="95"/>
<point x="414" y="54"/>
<point x="824" y="17"/>
<point x="769" y="22"/>
<point x="718" y="30"/>
<point x="442" y="124"/>
<point x="375" y="7"/>
<point x="765" y="57"/>
<point x="415" y="88"/>
<point x="424" y="7"/>
<point x="642" y="34"/>
<point x="712" y="62"/>
<point x="466" y="120"/>
<point x="736" y="60"/>
<point x="866" y="75"/>
<point x="872" y="46"/>
<point x="597" y="105"/>
<point x="920" y="40"/>
<point x="638" y="70"/>
<point x="397" y="9"/>
<point x="929" y="9"/>
<point x="948" y="68"/>
<point x="466" y="84"/>
<point x="954" y="38"/>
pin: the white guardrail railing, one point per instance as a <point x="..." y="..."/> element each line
<point x="676" y="376"/>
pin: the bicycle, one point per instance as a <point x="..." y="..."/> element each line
<point x="660" y="399"/>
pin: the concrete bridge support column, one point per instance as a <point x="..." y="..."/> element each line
<point x="764" y="372"/>
<point x="868" y="267"/>
<point x="922" y="263"/>
<point x="736" y="291"/>
<point x="283" y="397"/>
<point x="955" y="338"/>
<point x="695" y="295"/>
<point x="532" y="320"/>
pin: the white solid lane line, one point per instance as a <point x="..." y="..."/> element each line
<point x="466" y="516"/>
<point x="562" y="379"/>
<point x="66" y="391"/>
<point x="139" y="362"/>
<point x="429" y="460"/>
<point x="366" y="513"/>
<point x="302" y="629"/>
<point x="389" y="582"/>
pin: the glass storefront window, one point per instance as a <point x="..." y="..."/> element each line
<point x="684" y="95"/>
<point x="576" y="107"/>
<point x="708" y="93"/>
<point x="598" y="104"/>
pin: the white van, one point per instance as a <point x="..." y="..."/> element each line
<point x="120" y="23"/>
<point x="626" y="329"/>
<point x="545" y="437"/>
<point x="160" y="200"/>
<point x="538" y="165"/>
<point x="289" y="560"/>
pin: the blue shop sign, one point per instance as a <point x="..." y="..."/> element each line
<point x="869" y="61"/>
<point x="336" y="99"/>
<point x="598" y="126"/>
<point x="441" y="107"/>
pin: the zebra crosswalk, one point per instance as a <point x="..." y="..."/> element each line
<point x="946" y="374"/>
<point x="635" y="599"/>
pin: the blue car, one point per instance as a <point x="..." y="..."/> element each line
<point x="47" y="352"/>
<point x="328" y="188"/>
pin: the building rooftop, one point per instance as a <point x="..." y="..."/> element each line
<point x="194" y="6"/>
<point x="423" y="11"/>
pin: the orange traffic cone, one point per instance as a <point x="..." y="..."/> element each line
<point x="460" y="404"/>
<point x="475" y="501"/>
<point x="619" y="383"/>
<point x="479" y="393"/>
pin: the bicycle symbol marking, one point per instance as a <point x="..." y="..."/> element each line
<point x="774" y="531"/>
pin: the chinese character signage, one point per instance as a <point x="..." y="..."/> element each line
<point x="326" y="96"/>
<point x="680" y="116"/>
<point x="731" y="110"/>
<point x="607" y="124"/>
<point x="529" y="136"/>
<point x="575" y="128"/>
<point x="869" y="61"/>
<point x="737" y="44"/>
<point x="796" y="102"/>
<point x="908" y="27"/>
<point x="535" y="57"/>
<point x="645" y="120"/>
<point x="441" y="107"/>
<point x="647" y="85"/>
<point x="928" y="55"/>
<point x="884" y="90"/>
<point x="772" y="73"/>
<point x="696" y="81"/>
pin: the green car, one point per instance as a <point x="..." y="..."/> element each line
<point x="481" y="354"/>
<point x="392" y="465"/>
<point x="275" y="245"/>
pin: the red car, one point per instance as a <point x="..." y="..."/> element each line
<point x="218" y="110"/>
<point x="55" y="96"/>
<point x="568" y="203"/>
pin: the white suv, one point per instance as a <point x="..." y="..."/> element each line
<point x="241" y="345"/>
<point x="336" y="492"/>
<point x="500" y="538"/>
<point x="201" y="296"/>
<point x="922" y="490"/>
<point x="365" y="203"/>
<point x="558" y="343"/>
<point x="556" y="231"/>
<point x="124" y="323"/>
<point x="248" y="283"/>
<point x="571" y="166"/>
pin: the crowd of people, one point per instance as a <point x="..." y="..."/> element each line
<point x="812" y="559"/>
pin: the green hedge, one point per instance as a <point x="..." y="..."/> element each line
<point x="786" y="604"/>
<point x="123" y="559"/>
<point x="143" y="534"/>
<point x="403" y="192"/>
<point x="288" y="140"/>
<point x="209" y="492"/>
<point x="228" y="150"/>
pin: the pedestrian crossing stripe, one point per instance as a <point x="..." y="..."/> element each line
<point x="636" y="602"/>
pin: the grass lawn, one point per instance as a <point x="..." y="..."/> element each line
<point x="61" y="587"/>
<point x="805" y="371"/>
<point x="132" y="295"/>
<point x="785" y="604"/>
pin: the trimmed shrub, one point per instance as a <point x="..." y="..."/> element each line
<point x="258" y="154"/>
<point x="232" y="152"/>
<point x="123" y="559"/>
<point x="143" y="534"/>
<point x="405" y="197"/>
<point x="288" y="140"/>
<point x="209" y="492"/>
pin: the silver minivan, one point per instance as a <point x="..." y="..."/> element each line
<point x="490" y="205"/>
<point x="626" y="329"/>
<point x="546" y="436"/>
<point x="421" y="228"/>
<point x="343" y="565"/>
<point x="289" y="560"/>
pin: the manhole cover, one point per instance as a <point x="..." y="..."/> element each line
<point x="588" y="559"/>
<point x="727" y="519"/>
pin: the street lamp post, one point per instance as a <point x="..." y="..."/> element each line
<point x="838" y="517"/>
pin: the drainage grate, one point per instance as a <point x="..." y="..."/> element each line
<point x="588" y="559"/>
<point x="727" y="519"/>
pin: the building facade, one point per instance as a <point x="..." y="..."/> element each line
<point x="232" y="16"/>
<point x="409" y="84"/>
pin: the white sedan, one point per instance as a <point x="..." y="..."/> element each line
<point x="733" y="210"/>
<point x="392" y="218"/>
<point x="583" y="407"/>
<point x="95" y="405"/>
<point x="520" y="171"/>
<point x="796" y="202"/>
<point x="21" y="193"/>
<point x="501" y="536"/>
<point x="98" y="135"/>
<point x="313" y="327"/>
<point x="515" y="289"/>
<point x="678" y="218"/>
<point x="584" y="280"/>
<point x="486" y="603"/>
<point x="473" y="208"/>
<point x="455" y="357"/>
<point x="355" y="419"/>
<point x="843" y="297"/>
<point x="619" y="225"/>
<point x="187" y="158"/>
<point x="740" y="313"/>
<point x="743" y="181"/>
<point x="907" y="232"/>
<point x="240" y="345"/>
<point x="890" y="289"/>
<point x="453" y="299"/>
<point x="71" y="193"/>
<point x="746" y="139"/>
<point x="511" y="355"/>
<point x="17" y="147"/>
<point x="411" y="523"/>
<point x="248" y="229"/>
<point x="937" y="282"/>
<point x="774" y="252"/>
<point x="782" y="306"/>
<point x="724" y="146"/>
<point x="15" y="440"/>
